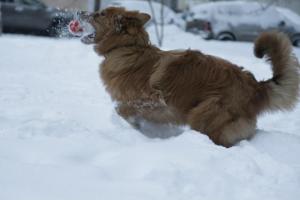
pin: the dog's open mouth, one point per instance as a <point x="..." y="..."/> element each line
<point x="89" y="36"/>
<point x="81" y="27"/>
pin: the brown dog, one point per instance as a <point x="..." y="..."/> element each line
<point x="209" y="94"/>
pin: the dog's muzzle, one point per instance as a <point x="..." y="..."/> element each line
<point x="89" y="32"/>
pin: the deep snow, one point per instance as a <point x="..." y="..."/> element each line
<point x="61" y="139"/>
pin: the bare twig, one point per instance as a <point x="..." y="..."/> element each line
<point x="158" y="35"/>
<point x="162" y="22"/>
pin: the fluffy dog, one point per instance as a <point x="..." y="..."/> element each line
<point x="209" y="94"/>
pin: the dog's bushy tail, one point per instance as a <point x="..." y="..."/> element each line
<point x="282" y="89"/>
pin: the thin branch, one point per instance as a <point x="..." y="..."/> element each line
<point x="158" y="35"/>
<point x="162" y="22"/>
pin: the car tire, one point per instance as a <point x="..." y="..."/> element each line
<point x="225" y="36"/>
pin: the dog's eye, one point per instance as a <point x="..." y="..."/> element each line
<point x="96" y="15"/>
<point x="102" y="14"/>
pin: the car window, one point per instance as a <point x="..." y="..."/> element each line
<point x="6" y="1"/>
<point x="230" y="10"/>
<point x="289" y="15"/>
<point x="202" y="11"/>
<point x="29" y="2"/>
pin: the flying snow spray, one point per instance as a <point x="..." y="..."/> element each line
<point x="79" y="26"/>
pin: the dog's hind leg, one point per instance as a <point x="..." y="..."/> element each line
<point x="209" y="117"/>
<point x="220" y="125"/>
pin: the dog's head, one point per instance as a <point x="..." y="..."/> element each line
<point x="114" y="22"/>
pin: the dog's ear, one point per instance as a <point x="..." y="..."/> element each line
<point x="132" y="19"/>
<point x="143" y="18"/>
<point x="119" y="23"/>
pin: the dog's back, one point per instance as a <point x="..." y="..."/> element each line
<point x="192" y="77"/>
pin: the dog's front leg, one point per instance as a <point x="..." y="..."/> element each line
<point x="129" y="113"/>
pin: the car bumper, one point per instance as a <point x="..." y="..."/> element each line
<point x="206" y="35"/>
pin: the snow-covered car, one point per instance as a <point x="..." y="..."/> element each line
<point x="32" y="17"/>
<point x="169" y="16"/>
<point x="241" y="20"/>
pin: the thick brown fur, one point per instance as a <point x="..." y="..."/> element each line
<point x="209" y="94"/>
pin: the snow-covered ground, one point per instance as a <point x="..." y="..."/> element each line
<point x="60" y="138"/>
